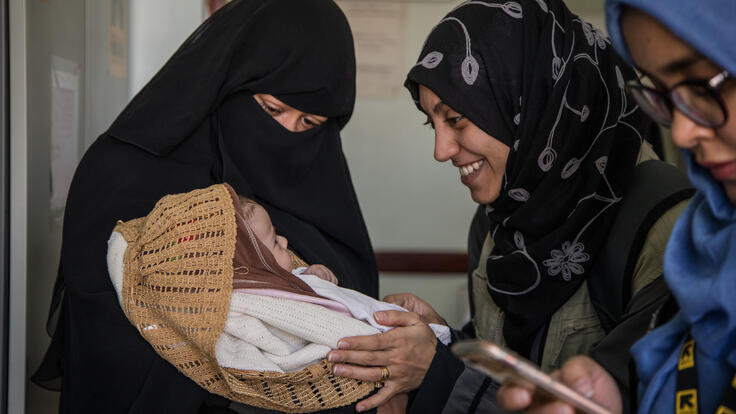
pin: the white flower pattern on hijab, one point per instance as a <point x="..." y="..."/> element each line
<point x="567" y="261"/>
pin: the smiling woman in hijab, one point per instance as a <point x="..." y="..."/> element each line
<point x="528" y="102"/>
<point x="685" y="53"/>
<point x="194" y="124"/>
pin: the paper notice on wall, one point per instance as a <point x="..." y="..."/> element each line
<point x="379" y="30"/>
<point x="117" y="47"/>
<point x="64" y="128"/>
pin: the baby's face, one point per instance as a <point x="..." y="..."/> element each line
<point x="260" y="222"/>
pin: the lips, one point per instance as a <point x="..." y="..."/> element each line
<point x="721" y="171"/>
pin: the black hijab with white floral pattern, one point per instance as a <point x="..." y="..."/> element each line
<point x="547" y="84"/>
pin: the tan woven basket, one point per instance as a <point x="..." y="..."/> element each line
<point x="177" y="284"/>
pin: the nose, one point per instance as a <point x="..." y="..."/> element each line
<point x="291" y="121"/>
<point x="445" y="145"/>
<point x="686" y="133"/>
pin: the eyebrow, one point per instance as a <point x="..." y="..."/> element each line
<point x="682" y="63"/>
<point x="437" y="107"/>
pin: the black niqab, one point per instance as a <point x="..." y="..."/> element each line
<point x="194" y="124"/>
<point x="299" y="51"/>
<point x="550" y="87"/>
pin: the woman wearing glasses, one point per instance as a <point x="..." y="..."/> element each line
<point x="687" y="363"/>
<point x="527" y="101"/>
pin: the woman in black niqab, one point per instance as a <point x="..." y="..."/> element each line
<point x="194" y="124"/>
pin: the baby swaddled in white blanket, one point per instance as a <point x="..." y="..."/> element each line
<point x="281" y="317"/>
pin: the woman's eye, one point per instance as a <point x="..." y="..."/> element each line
<point x="453" y="120"/>
<point x="271" y="109"/>
<point x="700" y="93"/>
<point x="310" y="122"/>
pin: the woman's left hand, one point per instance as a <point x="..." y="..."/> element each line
<point x="407" y="351"/>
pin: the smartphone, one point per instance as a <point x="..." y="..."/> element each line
<point x="504" y="365"/>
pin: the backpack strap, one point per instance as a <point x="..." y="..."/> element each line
<point x="655" y="188"/>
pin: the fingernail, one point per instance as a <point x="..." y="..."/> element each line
<point x="521" y="399"/>
<point x="343" y="344"/>
<point x="584" y="387"/>
<point x="331" y="357"/>
<point x="360" y="408"/>
<point x="338" y="370"/>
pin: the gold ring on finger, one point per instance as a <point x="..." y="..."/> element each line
<point x="385" y="374"/>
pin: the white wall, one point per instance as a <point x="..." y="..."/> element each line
<point x="105" y="95"/>
<point x="157" y="28"/>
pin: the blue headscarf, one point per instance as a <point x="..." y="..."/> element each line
<point x="700" y="260"/>
<point x="706" y="25"/>
<point x="700" y="270"/>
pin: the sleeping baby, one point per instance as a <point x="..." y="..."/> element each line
<point x="213" y="288"/>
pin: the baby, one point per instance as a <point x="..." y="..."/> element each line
<point x="318" y="278"/>
<point x="208" y="282"/>
<point x="181" y="268"/>
<point x="260" y="222"/>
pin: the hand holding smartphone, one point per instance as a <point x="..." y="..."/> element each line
<point x="505" y="366"/>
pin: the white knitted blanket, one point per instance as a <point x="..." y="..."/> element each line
<point x="264" y="333"/>
<point x="289" y="335"/>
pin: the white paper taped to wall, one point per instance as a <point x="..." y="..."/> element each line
<point x="64" y="127"/>
<point x="379" y="30"/>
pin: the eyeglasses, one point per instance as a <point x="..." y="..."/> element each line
<point x="698" y="99"/>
